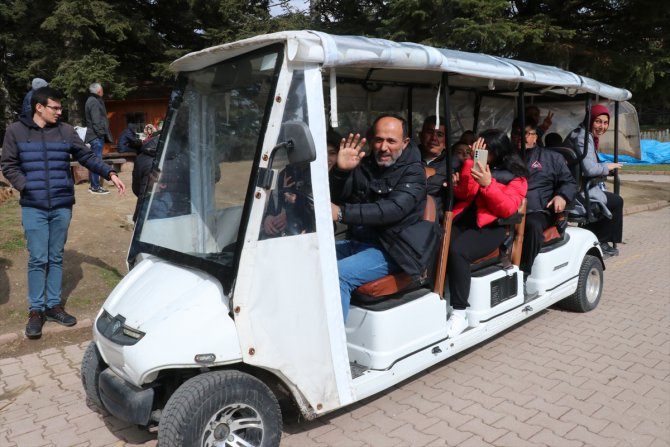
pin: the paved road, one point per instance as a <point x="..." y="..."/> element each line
<point x="560" y="379"/>
<point x="657" y="178"/>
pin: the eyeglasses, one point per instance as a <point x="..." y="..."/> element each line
<point x="55" y="108"/>
<point x="528" y="134"/>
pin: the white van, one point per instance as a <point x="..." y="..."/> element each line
<point x="218" y="322"/>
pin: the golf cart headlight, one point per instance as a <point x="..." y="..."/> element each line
<point x="116" y="330"/>
<point x="132" y="333"/>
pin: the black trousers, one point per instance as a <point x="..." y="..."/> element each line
<point x="468" y="243"/>
<point x="533" y="238"/>
<point x="610" y="230"/>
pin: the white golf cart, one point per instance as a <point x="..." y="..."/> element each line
<point x="232" y="302"/>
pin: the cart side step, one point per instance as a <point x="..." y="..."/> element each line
<point x="357" y="370"/>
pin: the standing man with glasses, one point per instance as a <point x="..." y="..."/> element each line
<point x="36" y="160"/>
<point x="550" y="188"/>
<point x="97" y="132"/>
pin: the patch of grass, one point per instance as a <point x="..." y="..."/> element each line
<point x="647" y="168"/>
<point x="11" y="235"/>
<point x="110" y="276"/>
<point x="12" y="242"/>
<point x="13" y="315"/>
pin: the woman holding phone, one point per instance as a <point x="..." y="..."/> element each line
<point x="484" y="192"/>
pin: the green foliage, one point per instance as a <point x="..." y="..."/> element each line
<point x="126" y="43"/>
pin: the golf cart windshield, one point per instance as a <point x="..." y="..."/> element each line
<point x="193" y="208"/>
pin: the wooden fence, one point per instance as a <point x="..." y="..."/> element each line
<point x="658" y="135"/>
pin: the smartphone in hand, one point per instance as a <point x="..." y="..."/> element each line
<point x="481" y="156"/>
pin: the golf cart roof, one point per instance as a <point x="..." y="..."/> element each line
<point x="353" y="55"/>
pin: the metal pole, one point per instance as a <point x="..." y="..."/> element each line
<point x="478" y="104"/>
<point x="448" y="204"/>
<point x="522" y="120"/>
<point x="409" y="111"/>
<point x="617" y="182"/>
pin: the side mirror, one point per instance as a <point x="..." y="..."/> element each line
<point x="296" y="138"/>
<point x="299" y="143"/>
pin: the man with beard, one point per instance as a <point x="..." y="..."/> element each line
<point x="382" y="198"/>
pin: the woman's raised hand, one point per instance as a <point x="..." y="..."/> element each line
<point x="483" y="177"/>
<point x="479" y="143"/>
<point x="351" y="152"/>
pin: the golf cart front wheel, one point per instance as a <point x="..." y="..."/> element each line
<point x="91" y="367"/>
<point x="589" y="287"/>
<point x="221" y="408"/>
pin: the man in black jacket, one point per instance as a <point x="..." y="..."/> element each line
<point x="97" y="131"/>
<point x="382" y="199"/>
<point x="550" y="188"/>
<point x="36" y="160"/>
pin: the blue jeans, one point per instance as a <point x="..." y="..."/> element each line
<point x="46" y="233"/>
<point x="96" y="147"/>
<point x="359" y="263"/>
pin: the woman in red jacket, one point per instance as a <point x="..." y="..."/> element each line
<point x="483" y="195"/>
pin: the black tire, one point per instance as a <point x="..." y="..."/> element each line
<point x="589" y="287"/>
<point x="201" y="409"/>
<point x="91" y="367"/>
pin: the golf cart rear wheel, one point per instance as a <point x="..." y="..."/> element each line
<point x="589" y="287"/>
<point x="221" y="408"/>
<point x="91" y="367"/>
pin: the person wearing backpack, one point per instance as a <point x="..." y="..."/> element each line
<point x="36" y="161"/>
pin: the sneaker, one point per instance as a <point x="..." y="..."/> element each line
<point x="35" y="323"/>
<point x="456" y="324"/>
<point x="98" y="190"/>
<point x="58" y="314"/>
<point x="608" y="250"/>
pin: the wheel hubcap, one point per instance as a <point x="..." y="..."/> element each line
<point x="234" y="425"/>
<point x="593" y="285"/>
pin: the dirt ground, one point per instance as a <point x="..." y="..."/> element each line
<point x="95" y="258"/>
<point x="94" y="262"/>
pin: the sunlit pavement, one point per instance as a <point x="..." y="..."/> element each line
<point x="560" y="379"/>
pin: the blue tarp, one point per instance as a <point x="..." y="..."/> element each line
<point x="652" y="152"/>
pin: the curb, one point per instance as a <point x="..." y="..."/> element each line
<point x="645" y="207"/>
<point x="46" y="330"/>
<point x="87" y="322"/>
<point x="644" y="172"/>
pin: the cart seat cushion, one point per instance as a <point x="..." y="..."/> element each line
<point x="386" y="285"/>
<point x="551" y="235"/>
<point x="495" y="254"/>
<point x="392" y="284"/>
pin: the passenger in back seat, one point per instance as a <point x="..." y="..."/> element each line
<point x="382" y="198"/>
<point x="608" y="229"/>
<point x="433" y="152"/>
<point x="483" y="195"/>
<point x="550" y="188"/>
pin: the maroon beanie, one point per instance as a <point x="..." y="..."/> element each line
<point x="598" y="110"/>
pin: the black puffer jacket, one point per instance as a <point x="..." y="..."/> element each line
<point x="390" y="202"/>
<point x="549" y="177"/>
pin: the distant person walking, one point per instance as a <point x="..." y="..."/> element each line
<point x="97" y="132"/>
<point x="26" y="108"/>
<point x="36" y="160"/>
